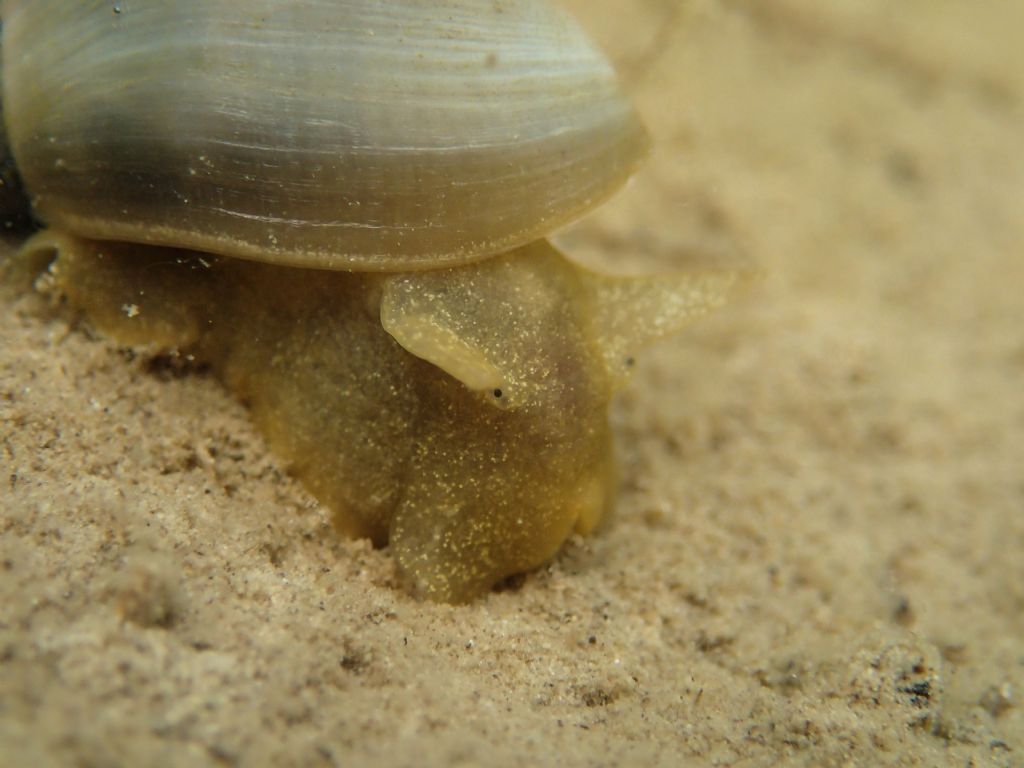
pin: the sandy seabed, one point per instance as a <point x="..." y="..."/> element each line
<point x="818" y="557"/>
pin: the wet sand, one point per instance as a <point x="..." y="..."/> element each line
<point x="818" y="557"/>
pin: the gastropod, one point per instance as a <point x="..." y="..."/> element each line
<point x="340" y="207"/>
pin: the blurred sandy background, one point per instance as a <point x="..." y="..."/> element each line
<point x="819" y="554"/>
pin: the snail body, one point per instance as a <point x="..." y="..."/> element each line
<point x="437" y="374"/>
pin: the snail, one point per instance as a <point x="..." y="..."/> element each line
<point x="341" y="207"/>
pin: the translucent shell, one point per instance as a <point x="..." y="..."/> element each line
<point x="357" y="134"/>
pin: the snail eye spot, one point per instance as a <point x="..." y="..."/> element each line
<point x="497" y="393"/>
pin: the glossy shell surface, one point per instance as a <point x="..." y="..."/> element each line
<point x="355" y="135"/>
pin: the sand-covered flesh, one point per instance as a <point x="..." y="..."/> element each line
<point x="818" y="557"/>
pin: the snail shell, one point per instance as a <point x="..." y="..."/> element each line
<point x="351" y="134"/>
